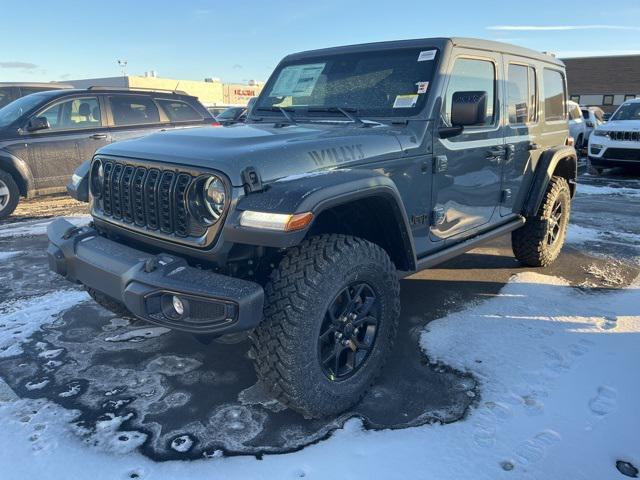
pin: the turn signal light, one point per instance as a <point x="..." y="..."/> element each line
<point x="283" y="222"/>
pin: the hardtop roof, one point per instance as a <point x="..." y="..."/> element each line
<point x="436" y="42"/>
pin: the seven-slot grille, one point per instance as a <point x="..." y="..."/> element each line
<point x="625" y="136"/>
<point x="147" y="197"/>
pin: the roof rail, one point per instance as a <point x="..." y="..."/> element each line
<point x="137" y="89"/>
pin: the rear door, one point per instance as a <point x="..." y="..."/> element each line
<point x="54" y="153"/>
<point x="467" y="171"/>
<point x="522" y="129"/>
<point x="134" y="115"/>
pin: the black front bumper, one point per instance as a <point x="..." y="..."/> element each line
<point x="146" y="283"/>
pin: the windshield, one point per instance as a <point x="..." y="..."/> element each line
<point x="14" y="110"/>
<point x="627" y="111"/>
<point x="387" y="83"/>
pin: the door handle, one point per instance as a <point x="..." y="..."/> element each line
<point x="99" y="136"/>
<point x="496" y="153"/>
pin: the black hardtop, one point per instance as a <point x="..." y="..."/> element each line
<point x="437" y="42"/>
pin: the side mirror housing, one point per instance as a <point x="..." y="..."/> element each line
<point x="38" y="123"/>
<point x="468" y="109"/>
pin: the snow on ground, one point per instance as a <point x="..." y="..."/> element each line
<point x="584" y="189"/>
<point x="559" y="388"/>
<point x="37" y="227"/>
<point x="8" y="255"/>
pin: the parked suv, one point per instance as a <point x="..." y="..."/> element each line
<point x="45" y="136"/>
<point x="10" y="91"/>
<point x="357" y="166"/>
<point x="617" y="143"/>
<point x="593" y="118"/>
<point x="577" y="125"/>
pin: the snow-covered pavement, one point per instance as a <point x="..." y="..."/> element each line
<point x="553" y="358"/>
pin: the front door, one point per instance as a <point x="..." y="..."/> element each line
<point x="467" y="167"/>
<point x="54" y="153"/>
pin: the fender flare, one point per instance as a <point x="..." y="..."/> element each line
<point x="20" y="171"/>
<point x="547" y="165"/>
<point x="317" y="192"/>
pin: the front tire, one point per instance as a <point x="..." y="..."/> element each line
<point x="9" y="194"/>
<point x="331" y="315"/>
<point x="539" y="242"/>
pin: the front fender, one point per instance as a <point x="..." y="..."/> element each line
<point x="314" y="192"/>
<point x="20" y="171"/>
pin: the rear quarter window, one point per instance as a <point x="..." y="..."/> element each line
<point x="179" y="111"/>
<point x="554" y="96"/>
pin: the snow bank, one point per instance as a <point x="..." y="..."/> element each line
<point x="8" y="255"/>
<point x="37" y="227"/>
<point x="559" y="390"/>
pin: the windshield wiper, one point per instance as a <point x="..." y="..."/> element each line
<point x="347" y="112"/>
<point x="283" y="110"/>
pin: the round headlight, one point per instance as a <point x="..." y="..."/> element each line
<point x="215" y="197"/>
<point x="97" y="178"/>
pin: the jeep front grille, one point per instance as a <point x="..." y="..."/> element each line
<point x="625" y="136"/>
<point x="148" y="198"/>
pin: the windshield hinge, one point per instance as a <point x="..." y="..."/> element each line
<point x="251" y="180"/>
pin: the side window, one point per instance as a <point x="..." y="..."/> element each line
<point x="133" y="110"/>
<point x="73" y="114"/>
<point x="518" y="94"/>
<point x="179" y="111"/>
<point x="470" y="75"/>
<point x="554" y="96"/>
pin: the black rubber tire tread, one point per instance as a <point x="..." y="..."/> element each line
<point x="109" y="303"/>
<point x="296" y="297"/>
<point x="529" y="242"/>
<point x="14" y="194"/>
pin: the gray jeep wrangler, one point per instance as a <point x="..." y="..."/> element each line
<point x="357" y="165"/>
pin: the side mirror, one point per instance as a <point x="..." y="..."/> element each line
<point x="468" y="109"/>
<point x="590" y="124"/>
<point x="38" y="123"/>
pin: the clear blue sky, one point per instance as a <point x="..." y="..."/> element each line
<point x="238" y="41"/>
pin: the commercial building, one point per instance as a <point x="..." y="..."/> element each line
<point x="211" y="92"/>
<point x="605" y="82"/>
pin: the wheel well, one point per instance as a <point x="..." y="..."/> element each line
<point x="373" y="218"/>
<point x="567" y="168"/>
<point x="21" y="182"/>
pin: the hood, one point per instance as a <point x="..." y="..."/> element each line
<point x="275" y="152"/>
<point x="621" y="126"/>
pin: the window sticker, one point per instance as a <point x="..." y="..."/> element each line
<point x="405" y="101"/>
<point x="297" y="80"/>
<point x="422" y="87"/>
<point x="427" y="55"/>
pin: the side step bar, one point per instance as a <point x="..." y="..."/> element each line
<point x="466" y="245"/>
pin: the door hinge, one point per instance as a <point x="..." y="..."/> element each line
<point x="440" y="164"/>
<point x="437" y="216"/>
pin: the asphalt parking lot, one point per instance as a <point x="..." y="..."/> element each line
<point x="139" y="386"/>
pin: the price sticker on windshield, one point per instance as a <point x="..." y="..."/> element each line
<point x="405" y="101"/>
<point x="427" y="55"/>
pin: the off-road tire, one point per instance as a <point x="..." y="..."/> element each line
<point x="529" y="242"/>
<point x="297" y="295"/>
<point x="109" y="303"/>
<point x="14" y="195"/>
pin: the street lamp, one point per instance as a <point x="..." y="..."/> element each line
<point x="123" y="66"/>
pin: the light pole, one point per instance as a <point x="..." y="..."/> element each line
<point x="123" y="66"/>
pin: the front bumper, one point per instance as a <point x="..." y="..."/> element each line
<point x="145" y="283"/>
<point x="609" y="153"/>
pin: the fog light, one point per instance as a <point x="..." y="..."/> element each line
<point x="178" y="306"/>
